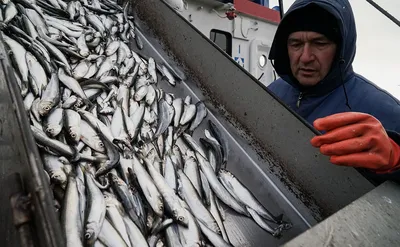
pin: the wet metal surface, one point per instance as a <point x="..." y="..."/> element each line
<point x="371" y="220"/>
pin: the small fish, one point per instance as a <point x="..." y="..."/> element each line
<point x="50" y="96"/>
<point x="70" y="214"/>
<point x="73" y="125"/>
<point x="96" y="210"/>
<point x="71" y="83"/>
<point x="242" y="194"/>
<point x="171" y="200"/>
<point x="53" y="123"/>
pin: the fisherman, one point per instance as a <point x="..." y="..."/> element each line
<point x="312" y="52"/>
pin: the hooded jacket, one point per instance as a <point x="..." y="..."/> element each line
<point x="342" y="90"/>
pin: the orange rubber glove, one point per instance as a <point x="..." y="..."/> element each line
<point x="357" y="140"/>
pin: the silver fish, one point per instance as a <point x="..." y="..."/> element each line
<point x="222" y="141"/>
<point x="166" y="113"/>
<point x="96" y="210"/>
<point x="73" y="125"/>
<point x="137" y="120"/>
<point x="213" y="237"/>
<point x="57" y="53"/>
<point x="242" y="194"/>
<point x="81" y="69"/>
<point x="10" y="12"/>
<point x="53" y="123"/>
<point x="190" y="235"/>
<point x="263" y="224"/>
<point x="201" y="113"/>
<point x="134" y="234"/>
<point x="128" y="65"/>
<point x="205" y="188"/>
<point x="50" y="96"/>
<point x="115" y="213"/>
<point x="96" y="123"/>
<point x="112" y="47"/>
<point x="151" y="95"/>
<point x="218" y="188"/>
<point x="125" y="196"/>
<point x="82" y="46"/>
<point x="23" y="87"/>
<point x="30" y="28"/>
<point x="193" y="144"/>
<point x="64" y="29"/>
<point x="152" y="69"/>
<point x="171" y="200"/>
<point x="109" y="236"/>
<point x="55" y="168"/>
<point x="172" y="236"/>
<point x="217" y="215"/>
<point x="96" y="23"/>
<point x="36" y="19"/>
<point x="192" y="198"/>
<point x="105" y="67"/>
<point x="191" y="170"/>
<point x="150" y="191"/>
<point x="28" y="101"/>
<point x="91" y="138"/>
<point x="80" y="182"/>
<point x="123" y="95"/>
<point x="168" y="75"/>
<point x="178" y="106"/>
<point x="70" y="215"/>
<point x="141" y="93"/>
<point x="170" y="173"/>
<point x="18" y="52"/>
<point x="71" y="83"/>
<point x="91" y="71"/>
<point x="188" y="114"/>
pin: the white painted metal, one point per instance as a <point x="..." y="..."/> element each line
<point x="251" y="36"/>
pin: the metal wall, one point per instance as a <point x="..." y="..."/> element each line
<point x="19" y="154"/>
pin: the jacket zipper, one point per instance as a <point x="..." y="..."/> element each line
<point x="299" y="99"/>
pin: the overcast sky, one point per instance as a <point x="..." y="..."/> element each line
<point x="378" y="47"/>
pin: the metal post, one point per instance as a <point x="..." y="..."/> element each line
<point x="281" y="8"/>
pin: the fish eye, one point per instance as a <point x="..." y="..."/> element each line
<point x="180" y="218"/>
<point x="47" y="108"/>
<point x="101" y="144"/>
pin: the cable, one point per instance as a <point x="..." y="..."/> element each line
<point x="218" y="14"/>
<point x="380" y="9"/>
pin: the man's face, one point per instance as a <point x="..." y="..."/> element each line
<point x="311" y="55"/>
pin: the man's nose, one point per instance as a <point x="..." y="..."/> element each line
<point x="307" y="54"/>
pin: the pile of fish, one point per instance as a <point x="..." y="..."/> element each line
<point x="118" y="150"/>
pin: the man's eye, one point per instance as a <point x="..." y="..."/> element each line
<point x="295" y="45"/>
<point x="321" y="43"/>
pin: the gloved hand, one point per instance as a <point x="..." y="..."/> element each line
<point x="358" y="140"/>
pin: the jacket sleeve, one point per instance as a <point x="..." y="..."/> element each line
<point x="377" y="179"/>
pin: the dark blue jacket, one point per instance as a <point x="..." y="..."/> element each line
<point x="342" y="90"/>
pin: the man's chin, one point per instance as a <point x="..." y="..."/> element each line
<point x="308" y="81"/>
